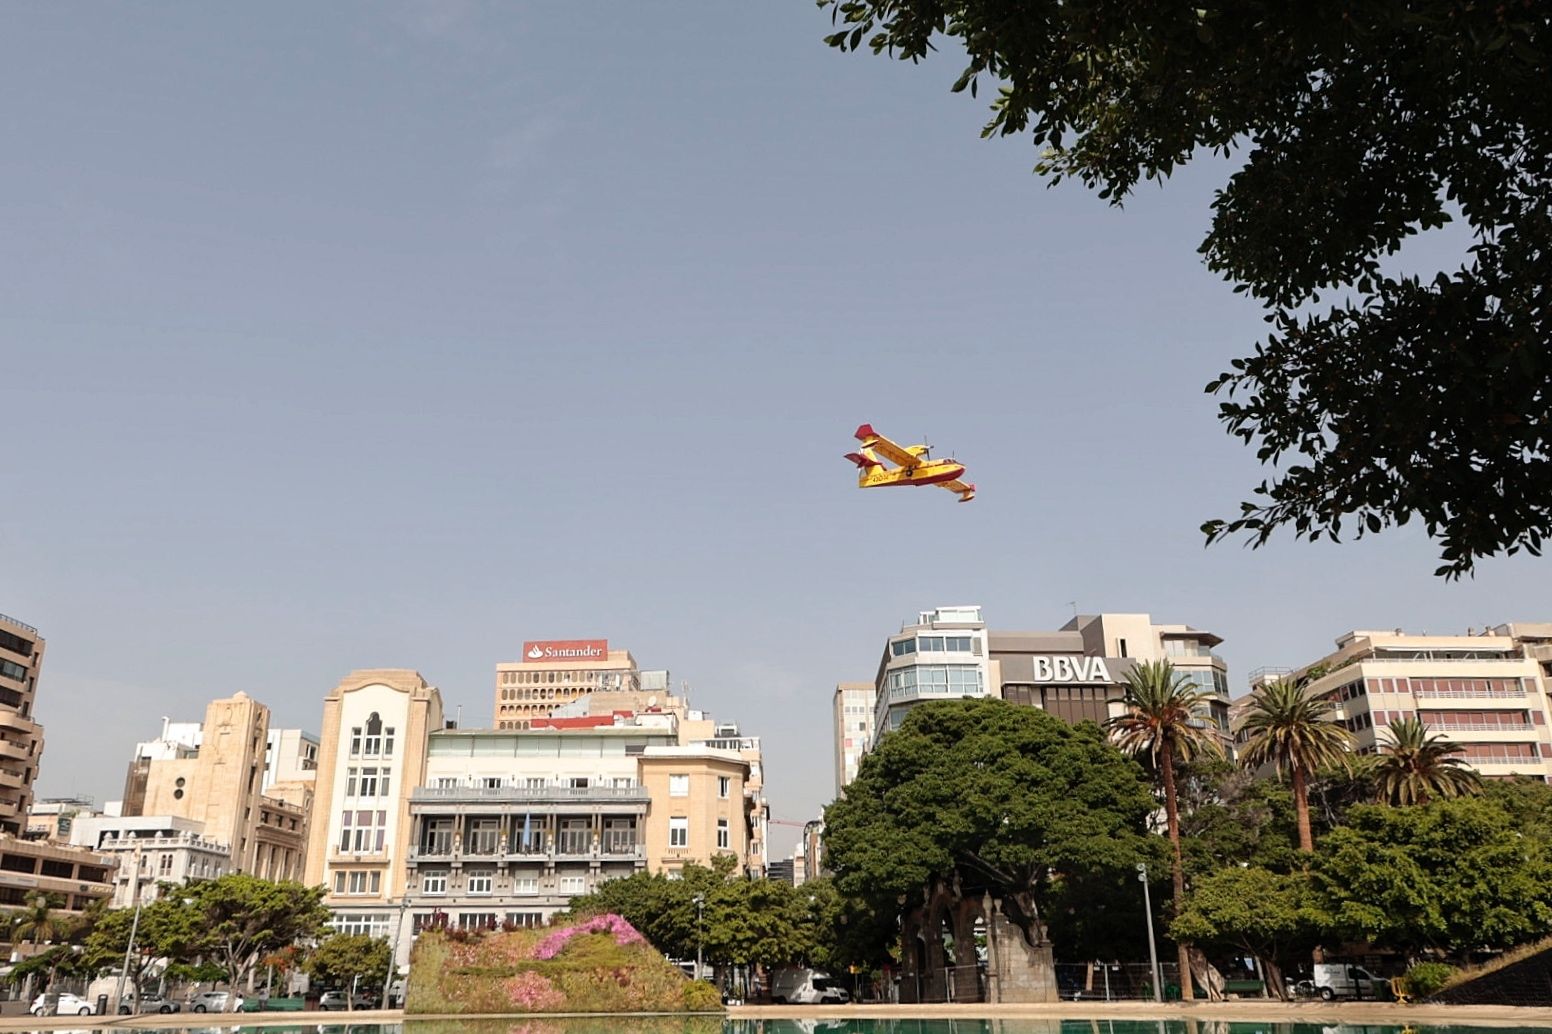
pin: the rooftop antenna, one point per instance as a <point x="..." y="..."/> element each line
<point x="1074" y="605"/>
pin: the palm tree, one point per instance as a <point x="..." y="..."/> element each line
<point x="1417" y="766"/>
<point x="38" y="923"/>
<point x="1162" y="722"/>
<point x="1296" y="734"/>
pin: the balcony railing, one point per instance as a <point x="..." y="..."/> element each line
<point x="7" y="619"/>
<point x="1470" y="694"/>
<point x="528" y="794"/>
<point x="610" y="849"/>
<point x="1434" y="721"/>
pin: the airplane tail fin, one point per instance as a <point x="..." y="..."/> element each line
<point x="864" y="432"/>
<point x="863" y="460"/>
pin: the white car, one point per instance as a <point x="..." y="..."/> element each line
<point x="212" y="1001"/>
<point x="69" y="1005"/>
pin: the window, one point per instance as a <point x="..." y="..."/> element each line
<point x="679" y="786"/>
<point x="533" y="782"/>
<point x="573" y="884"/>
<point x="355" y="741"/>
<point x="164" y="864"/>
<point x="363" y="832"/>
<point x="372" y="744"/>
<point x="1121" y="647"/>
<point x="577" y="782"/>
<point x="368" y="785"/>
<point x="388" y="742"/>
<point x="724" y="786"/>
<point x="357" y="882"/>
<point x="445" y="782"/>
<point x="903" y="647"/>
<point x="723" y="839"/>
<point x="526" y="918"/>
<point x="434" y="882"/>
<point x="481" y="881"/>
<point x="525" y="885"/>
<point x="491" y="782"/>
<point x="678" y="832"/>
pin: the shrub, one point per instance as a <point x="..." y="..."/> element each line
<point x="699" y="996"/>
<point x="1427" y="978"/>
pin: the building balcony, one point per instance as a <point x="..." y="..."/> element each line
<point x="564" y="850"/>
<point x="511" y="799"/>
<point x="15" y="722"/>
<point x="15" y="751"/>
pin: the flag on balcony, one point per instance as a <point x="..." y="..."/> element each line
<point x="527" y="828"/>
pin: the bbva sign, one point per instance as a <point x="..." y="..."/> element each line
<point x="1071" y="669"/>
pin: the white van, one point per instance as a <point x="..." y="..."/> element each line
<point x="1340" y="980"/>
<point x="796" y="986"/>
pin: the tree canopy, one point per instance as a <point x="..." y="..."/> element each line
<point x="1351" y="126"/>
<point x="1452" y="875"/>
<point x="351" y="962"/>
<point x="243" y="918"/>
<point x="989" y="793"/>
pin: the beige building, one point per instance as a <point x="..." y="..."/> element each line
<point x="21" y="738"/>
<point x="51" y="819"/>
<point x="372" y="753"/>
<point x="218" y="784"/>
<point x="697" y="810"/>
<point x="511" y="824"/>
<point x="852" y="719"/>
<point x="554" y="673"/>
<point x="1485" y="691"/>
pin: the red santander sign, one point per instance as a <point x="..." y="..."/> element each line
<point x="566" y="650"/>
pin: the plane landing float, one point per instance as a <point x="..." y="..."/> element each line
<point x="913" y="465"/>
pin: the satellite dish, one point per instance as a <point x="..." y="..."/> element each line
<point x="652" y="700"/>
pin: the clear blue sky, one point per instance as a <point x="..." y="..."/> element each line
<point x="355" y="335"/>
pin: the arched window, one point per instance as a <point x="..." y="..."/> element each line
<point x="374" y="736"/>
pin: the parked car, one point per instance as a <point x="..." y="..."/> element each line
<point x="799" y="986"/>
<point x="150" y="1001"/>
<point x="331" y="1000"/>
<point x="212" y="1001"/>
<point x="69" y="1005"/>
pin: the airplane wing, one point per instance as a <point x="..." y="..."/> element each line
<point x="891" y="451"/>
<point x="966" y="490"/>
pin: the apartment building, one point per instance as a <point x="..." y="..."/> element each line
<point x="152" y="850"/>
<point x="852" y="717"/>
<point x="377" y="724"/>
<point x="52" y="818"/>
<point x="21" y="738"/>
<point x="214" y="777"/>
<point x="1486" y="691"/>
<point x="554" y="673"/>
<point x="511" y="824"/>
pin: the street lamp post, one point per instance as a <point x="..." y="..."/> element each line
<point x="1153" y="951"/>
<point x="393" y="953"/>
<point x="134" y="928"/>
<point x="700" y="905"/>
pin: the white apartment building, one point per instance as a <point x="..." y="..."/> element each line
<point x="1485" y="691"/>
<point x="290" y="756"/>
<point x="170" y="849"/>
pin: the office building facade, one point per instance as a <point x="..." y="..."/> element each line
<point x="152" y="851"/>
<point x="554" y="673"/>
<point x="1077" y="672"/>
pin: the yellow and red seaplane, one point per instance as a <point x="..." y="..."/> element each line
<point x="913" y="465"/>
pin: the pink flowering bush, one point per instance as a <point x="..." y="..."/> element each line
<point x="600" y="965"/>
<point x="533" y="993"/>
<point x="556" y="940"/>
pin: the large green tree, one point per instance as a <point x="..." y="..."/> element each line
<point x="1163" y="721"/>
<point x="352" y="962"/>
<point x="168" y="931"/>
<point x="1349" y="126"/>
<point x="977" y="797"/>
<point x="1452" y="875"/>
<point x="1271" y="916"/>
<point x="1297" y="735"/>
<point x="243" y="918"/>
